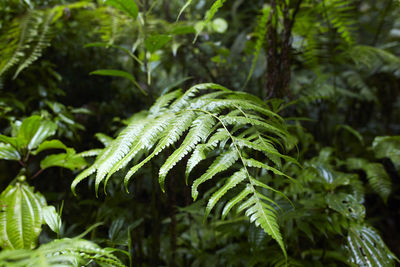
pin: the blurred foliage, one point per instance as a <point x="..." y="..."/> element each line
<point x="74" y="74"/>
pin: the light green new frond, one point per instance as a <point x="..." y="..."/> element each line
<point x="220" y="164"/>
<point x="199" y="132"/>
<point x="231" y="182"/>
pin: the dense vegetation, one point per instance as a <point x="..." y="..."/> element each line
<point x="199" y="133"/>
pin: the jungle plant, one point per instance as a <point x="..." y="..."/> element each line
<point x="234" y="124"/>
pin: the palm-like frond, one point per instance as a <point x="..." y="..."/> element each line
<point x="237" y="123"/>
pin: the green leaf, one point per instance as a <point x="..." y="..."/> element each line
<point x="127" y="6"/>
<point x="69" y="160"/>
<point x="13" y="141"/>
<point x="52" y="144"/>
<point x="376" y="174"/>
<point x="379" y="179"/>
<point x="232" y="181"/>
<point x="119" y="73"/>
<point x="62" y="253"/>
<point x="8" y="152"/>
<point x="367" y="248"/>
<point x="21" y="217"/>
<point x="347" y="205"/>
<point x="156" y="42"/>
<point x="52" y="218"/>
<point x="34" y="130"/>
<point x="220" y="164"/>
<point x="183" y="8"/>
<point x="388" y="147"/>
<point x="104" y="139"/>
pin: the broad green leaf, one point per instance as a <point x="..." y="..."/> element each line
<point x="34" y="130"/>
<point x="13" y="141"/>
<point x="52" y="144"/>
<point x="8" y="152"/>
<point x="69" y="160"/>
<point x="367" y="248"/>
<point x="156" y="42"/>
<point x="21" y="217"/>
<point x="347" y="205"/>
<point x="127" y="6"/>
<point x="52" y="218"/>
<point x="119" y="73"/>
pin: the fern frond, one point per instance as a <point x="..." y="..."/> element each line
<point x="237" y="123"/>
<point x="220" y="164"/>
<point x="232" y="181"/>
<point x="61" y="252"/>
<point x="260" y="33"/>
<point x="24" y="31"/>
<point x="379" y="179"/>
<point x="41" y="42"/>
<point x="199" y="132"/>
<point x="377" y="176"/>
<point x="199" y="153"/>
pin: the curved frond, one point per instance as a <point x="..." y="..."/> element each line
<point x="205" y="119"/>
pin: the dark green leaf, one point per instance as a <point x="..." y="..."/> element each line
<point x="127" y="6"/>
<point x="156" y="42"/>
<point x="367" y="248"/>
<point x="69" y="160"/>
<point x="347" y="205"/>
<point x="118" y="73"/>
<point x="52" y="144"/>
